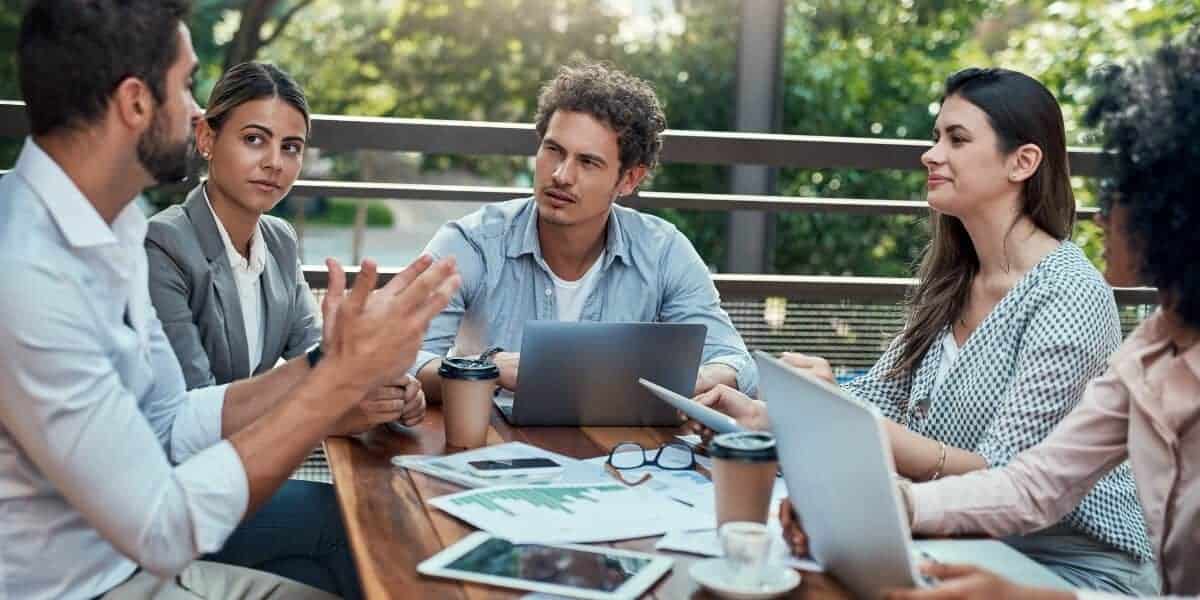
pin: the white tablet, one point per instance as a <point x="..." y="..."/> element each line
<point x="592" y="572"/>
<point x="714" y="420"/>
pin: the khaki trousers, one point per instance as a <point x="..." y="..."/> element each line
<point x="207" y="580"/>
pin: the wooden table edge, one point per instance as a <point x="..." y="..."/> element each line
<point x="337" y="453"/>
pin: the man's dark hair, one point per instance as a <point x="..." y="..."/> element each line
<point x="625" y="103"/>
<point x="72" y="54"/>
<point x="1149" y="114"/>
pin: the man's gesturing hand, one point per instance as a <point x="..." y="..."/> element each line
<point x="369" y="333"/>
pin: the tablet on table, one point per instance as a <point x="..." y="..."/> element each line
<point x="590" y="572"/>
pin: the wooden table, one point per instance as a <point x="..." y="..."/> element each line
<point x="392" y="529"/>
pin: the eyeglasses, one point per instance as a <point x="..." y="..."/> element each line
<point x="671" y="456"/>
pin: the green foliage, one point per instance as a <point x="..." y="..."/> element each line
<point x="10" y="21"/>
<point x="862" y="68"/>
<point x="847" y="72"/>
<point x="693" y="75"/>
<point x="340" y="211"/>
<point x="851" y="68"/>
<point x="468" y="59"/>
<point x="452" y="59"/>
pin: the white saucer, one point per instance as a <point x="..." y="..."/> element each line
<point x="713" y="574"/>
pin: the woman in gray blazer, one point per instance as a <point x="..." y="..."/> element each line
<point x="225" y="277"/>
<point x="197" y="292"/>
<point x="226" y="281"/>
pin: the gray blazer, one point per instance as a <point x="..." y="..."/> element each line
<point x="194" y="293"/>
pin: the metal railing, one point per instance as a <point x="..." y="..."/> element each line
<point x="806" y="288"/>
<point x="339" y="133"/>
<point x="849" y="321"/>
<point x="698" y="147"/>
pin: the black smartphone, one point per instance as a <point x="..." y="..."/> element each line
<point x="513" y="466"/>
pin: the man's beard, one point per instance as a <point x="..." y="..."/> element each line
<point x="165" y="160"/>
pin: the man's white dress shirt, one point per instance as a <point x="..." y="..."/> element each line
<point x="106" y="462"/>
<point x="247" y="273"/>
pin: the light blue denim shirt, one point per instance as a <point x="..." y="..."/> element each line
<point x="650" y="273"/>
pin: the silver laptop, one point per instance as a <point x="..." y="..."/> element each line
<point x="838" y="466"/>
<point x="586" y="374"/>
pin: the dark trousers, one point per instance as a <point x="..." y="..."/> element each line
<point x="297" y="534"/>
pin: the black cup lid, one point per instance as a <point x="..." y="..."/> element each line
<point x="468" y="368"/>
<point x="749" y="446"/>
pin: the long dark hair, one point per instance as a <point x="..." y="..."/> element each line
<point x="250" y="81"/>
<point x="1021" y="111"/>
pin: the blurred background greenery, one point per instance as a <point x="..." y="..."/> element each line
<point x="868" y="68"/>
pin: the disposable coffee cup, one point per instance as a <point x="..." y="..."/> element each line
<point x="744" y="467"/>
<point x="467" y="389"/>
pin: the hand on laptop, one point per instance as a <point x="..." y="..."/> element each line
<point x="508" y="363"/>
<point x="815" y="365"/>
<point x="748" y="412"/>
<point x="964" y="581"/>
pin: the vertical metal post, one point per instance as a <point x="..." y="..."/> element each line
<point x="759" y="108"/>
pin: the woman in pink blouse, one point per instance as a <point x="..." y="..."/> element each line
<point x="1146" y="407"/>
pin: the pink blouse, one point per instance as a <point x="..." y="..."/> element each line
<point x="1144" y="408"/>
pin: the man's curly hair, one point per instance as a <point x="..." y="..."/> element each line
<point x="1149" y="114"/>
<point x="625" y="103"/>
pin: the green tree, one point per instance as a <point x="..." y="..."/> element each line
<point x="851" y="68"/>
<point x="10" y="22"/>
<point x="859" y="68"/>
<point x="848" y="73"/>
<point x="445" y="59"/>
<point x="1062" y="42"/>
<point x="693" y="75"/>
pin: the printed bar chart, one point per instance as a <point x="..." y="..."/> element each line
<point x="570" y="513"/>
<point x="550" y="498"/>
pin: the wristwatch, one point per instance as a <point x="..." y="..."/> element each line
<point x="314" y="355"/>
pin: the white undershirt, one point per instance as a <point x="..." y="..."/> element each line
<point x="247" y="275"/>
<point x="949" y="357"/>
<point x="569" y="296"/>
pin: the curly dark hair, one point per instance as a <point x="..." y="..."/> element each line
<point x="1149" y="114"/>
<point x="625" y="103"/>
